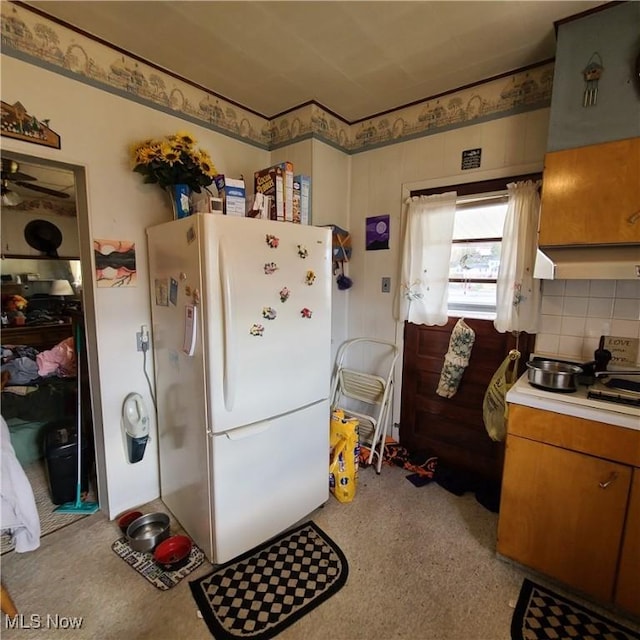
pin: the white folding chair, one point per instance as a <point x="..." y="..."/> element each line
<point x="366" y="395"/>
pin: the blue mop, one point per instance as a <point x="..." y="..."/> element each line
<point x="78" y="506"/>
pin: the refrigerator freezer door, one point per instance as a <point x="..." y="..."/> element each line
<point x="267" y="477"/>
<point x="268" y="317"/>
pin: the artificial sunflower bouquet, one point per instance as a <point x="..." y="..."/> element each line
<point x="173" y="160"/>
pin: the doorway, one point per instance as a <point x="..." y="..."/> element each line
<point x="46" y="260"/>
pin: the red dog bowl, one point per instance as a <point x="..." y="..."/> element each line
<point x="126" y="519"/>
<point x="173" y="553"/>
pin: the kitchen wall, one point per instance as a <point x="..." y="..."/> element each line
<point x="97" y="129"/>
<point x="575" y="313"/>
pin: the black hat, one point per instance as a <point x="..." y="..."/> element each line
<point x="43" y="236"/>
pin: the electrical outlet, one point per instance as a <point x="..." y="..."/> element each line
<point x="139" y="341"/>
<point x="386" y="285"/>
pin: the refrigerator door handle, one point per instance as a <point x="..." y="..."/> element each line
<point x="248" y="431"/>
<point x="229" y="378"/>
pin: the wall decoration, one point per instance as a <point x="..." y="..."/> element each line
<point x="16" y="122"/>
<point x="270" y="267"/>
<point x="471" y="159"/>
<point x="115" y="263"/>
<point x="592" y="73"/>
<point x="377" y="233"/>
<point x="269" y="313"/>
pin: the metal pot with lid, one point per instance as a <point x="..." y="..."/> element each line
<point x="553" y="375"/>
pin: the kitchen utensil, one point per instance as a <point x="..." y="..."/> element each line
<point x="173" y="553"/>
<point x="553" y="376"/>
<point x="146" y="532"/>
<point x="127" y="518"/>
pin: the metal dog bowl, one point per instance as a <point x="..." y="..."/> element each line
<point x="146" y="532"/>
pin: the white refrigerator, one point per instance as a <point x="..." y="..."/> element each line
<point x="241" y="313"/>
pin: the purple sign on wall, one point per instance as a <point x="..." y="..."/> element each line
<point x="377" y="236"/>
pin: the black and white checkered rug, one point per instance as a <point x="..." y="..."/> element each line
<point x="264" y="591"/>
<point x="542" y="614"/>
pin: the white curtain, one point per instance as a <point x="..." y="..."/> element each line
<point x="518" y="294"/>
<point x="424" y="269"/>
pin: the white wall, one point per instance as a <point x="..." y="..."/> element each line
<point x="383" y="178"/>
<point x="97" y="130"/>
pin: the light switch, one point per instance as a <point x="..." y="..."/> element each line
<point x="386" y="285"/>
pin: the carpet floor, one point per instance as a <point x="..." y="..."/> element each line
<point x="422" y="564"/>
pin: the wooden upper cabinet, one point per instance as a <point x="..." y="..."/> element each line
<point x="591" y="195"/>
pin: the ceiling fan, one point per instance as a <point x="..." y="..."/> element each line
<point x="11" y="174"/>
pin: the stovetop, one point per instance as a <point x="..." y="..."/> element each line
<point x="577" y="403"/>
<point x="614" y="389"/>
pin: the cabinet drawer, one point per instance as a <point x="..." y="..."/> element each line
<point x="586" y="436"/>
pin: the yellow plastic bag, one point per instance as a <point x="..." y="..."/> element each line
<point x="494" y="405"/>
<point x="345" y="453"/>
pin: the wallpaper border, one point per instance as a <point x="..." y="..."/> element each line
<point x="34" y="39"/>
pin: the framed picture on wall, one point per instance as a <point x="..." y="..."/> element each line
<point x="17" y="123"/>
<point x="377" y="233"/>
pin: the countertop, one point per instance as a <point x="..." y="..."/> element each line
<point x="574" y="404"/>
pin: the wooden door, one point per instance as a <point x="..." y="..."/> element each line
<point x="562" y="513"/>
<point x="452" y="428"/>
<point x="628" y="586"/>
<point x="591" y="195"/>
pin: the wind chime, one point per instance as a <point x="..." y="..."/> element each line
<point x="592" y="73"/>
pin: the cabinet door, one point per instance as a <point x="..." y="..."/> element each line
<point x="562" y="513"/>
<point x="591" y="195"/>
<point x="628" y="587"/>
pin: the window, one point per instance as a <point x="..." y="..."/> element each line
<point x="481" y="209"/>
<point x="475" y="254"/>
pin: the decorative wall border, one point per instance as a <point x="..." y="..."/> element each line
<point x="30" y="37"/>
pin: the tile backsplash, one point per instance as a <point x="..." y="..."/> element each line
<point x="575" y="313"/>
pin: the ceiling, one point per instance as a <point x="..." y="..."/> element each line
<point x="355" y="58"/>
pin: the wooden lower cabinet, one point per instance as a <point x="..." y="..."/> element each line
<point x="556" y="517"/>
<point x="569" y="512"/>
<point x="627" y="595"/>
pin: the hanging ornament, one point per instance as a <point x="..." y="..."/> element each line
<point x="592" y="73"/>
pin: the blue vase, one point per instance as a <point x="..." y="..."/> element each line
<point x="180" y="200"/>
